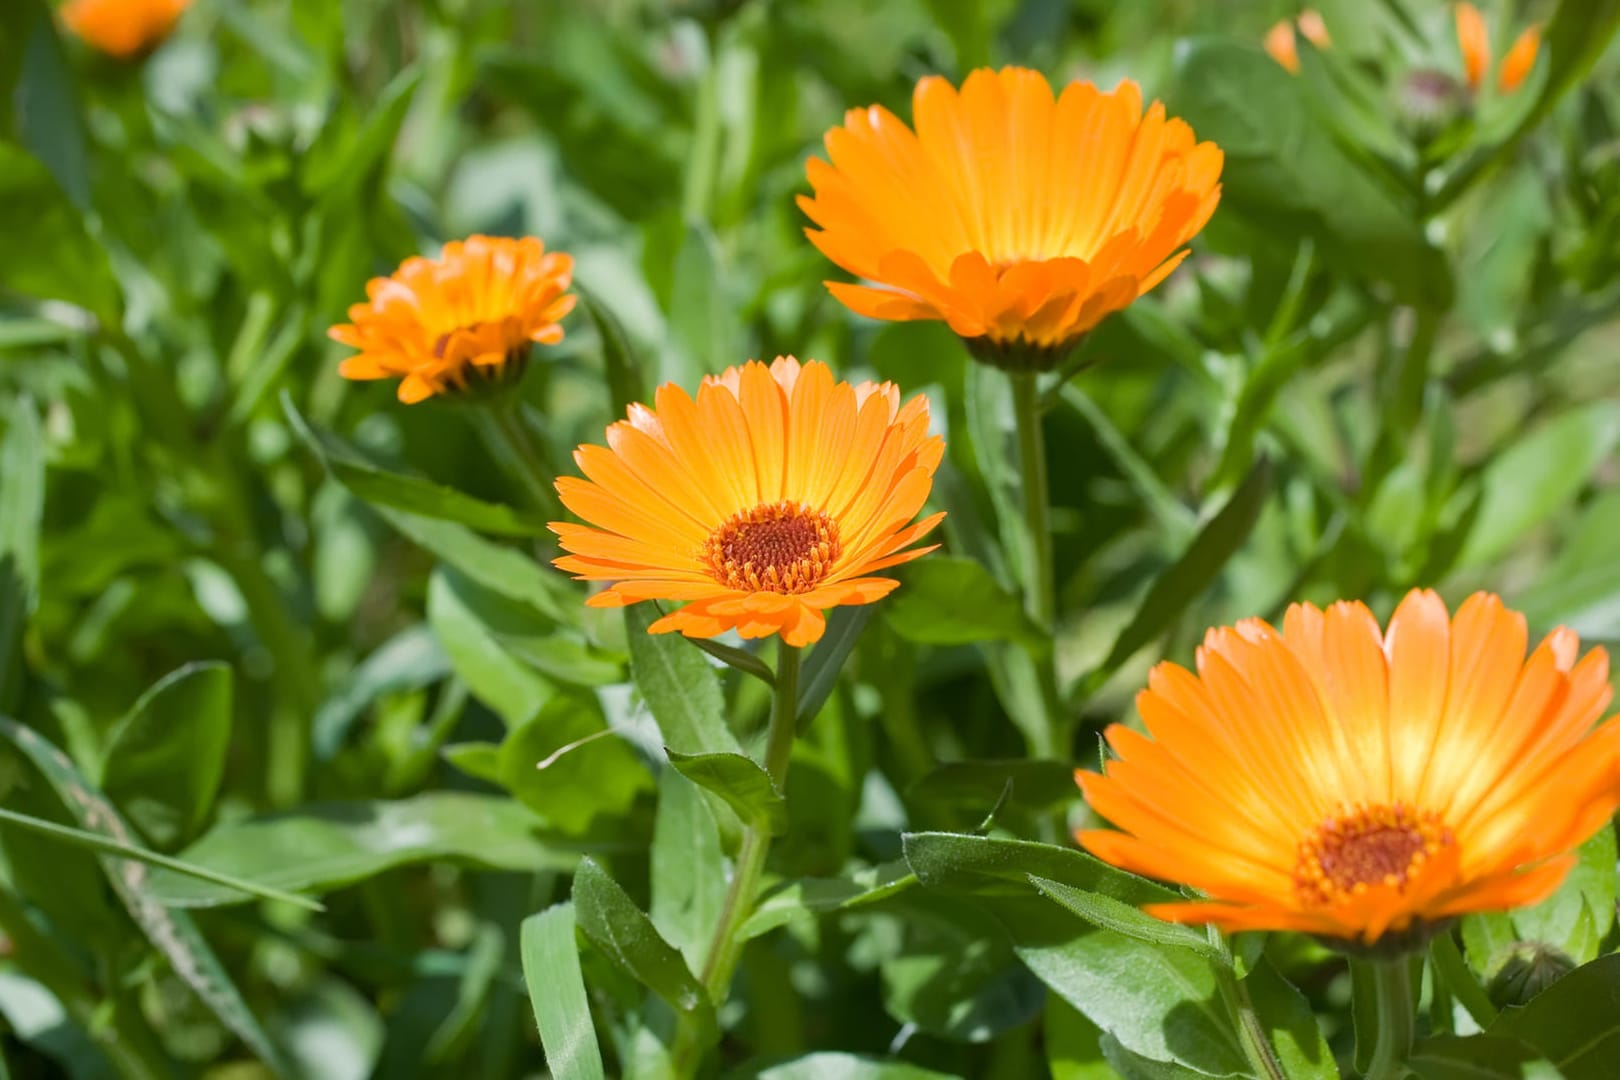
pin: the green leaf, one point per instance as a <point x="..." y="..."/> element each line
<point x="1291" y="1028"/>
<point x="325" y="846"/>
<point x="1538" y="474"/>
<point x="680" y="687"/>
<point x="613" y="923"/>
<point x="1574" y="1023"/>
<point x="557" y="994"/>
<point x="821" y="668"/>
<point x="992" y="428"/>
<point x="566" y="765"/>
<point x="368" y="480"/>
<point x="688" y="867"/>
<point x="1036" y="785"/>
<point x="50" y="119"/>
<point x="701" y="312"/>
<point x="988" y="866"/>
<point x="744" y="786"/>
<point x="36" y="216"/>
<point x="1073" y="1044"/>
<point x="828" y="1065"/>
<point x="945" y="600"/>
<point x="1479" y="1057"/>
<point x="620" y="365"/>
<point x="22" y="508"/>
<point x="172" y="933"/>
<point x="509" y="687"/>
<point x="411" y="659"/>
<point x="1111" y="914"/>
<point x="1579" y="915"/>
<point x="1191" y="574"/>
<point x="165" y="760"/>
<point x="808" y="898"/>
<point x="340" y="162"/>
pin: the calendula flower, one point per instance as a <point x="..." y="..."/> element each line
<point x="1474" y="40"/>
<point x="1333" y="779"/>
<point x="461" y="322"/>
<point x="772" y="497"/>
<point x="123" y="28"/>
<point x="1282" y="46"/>
<point x="1018" y="217"/>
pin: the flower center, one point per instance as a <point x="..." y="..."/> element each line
<point x="1367" y="846"/>
<point x="783" y="547"/>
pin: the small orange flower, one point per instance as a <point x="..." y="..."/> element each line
<point x="1344" y="782"/>
<point x="1019" y="218"/>
<point x="1280" y="41"/>
<point x="123" y="28"/>
<point x="461" y="321"/>
<point x="766" y="501"/>
<point x="1520" y="59"/>
<point x="1474" y="40"/>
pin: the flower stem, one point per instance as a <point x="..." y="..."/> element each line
<point x="1251" y="1032"/>
<point x="501" y="425"/>
<point x="1040" y="592"/>
<point x="1395" y="1010"/>
<point x="724" y="947"/>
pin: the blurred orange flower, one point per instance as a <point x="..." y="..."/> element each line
<point x="1344" y="782"/>
<point x="764" y="502"/>
<point x="1474" y="40"/>
<point x="1280" y="41"/>
<point x="1018" y="217"/>
<point x="462" y="321"/>
<point x="123" y="28"/>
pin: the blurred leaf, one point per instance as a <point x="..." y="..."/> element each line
<point x="338" y="162"/>
<point x="687" y="866"/>
<point x="820" y="675"/>
<point x="1036" y="785"/>
<point x="172" y="933"/>
<point x="409" y="660"/>
<point x="1589" y="891"/>
<point x="945" y="600"/>
<point x="36" y="216"/>
<point x="49" y="118"/>
<point x="627" y="937"/>
<point x="828" y="1065"/>
<point x="510" y="688"/>
<point x="557" y="993"/>
<point x="701" y="313"/>
<point x="1479" y="1057"/>
<point x="331" y="1030"/>
<point x="744" y="786"/>
<point x="1126" y="919"/>
<point x="412" y="494"/>
<point x="326" y="846"/>
<point x="1284" y="172"/>
<point x="1073" y="1044"/>
<point x="680" y="687"/>
<point x="585" y="772"/>
<point x="22" y="508"/>
<point x="993" y="429"/>
<point x="1575" y="1023"/>
<point x="165" y="760"/>
<point x="1581" y="588"/>
<point x="1290" y="1025"/>
<point x="626" y="380"/>
<point x="971" y="28"/>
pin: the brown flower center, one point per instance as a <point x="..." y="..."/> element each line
<point x="783" y="547"/>
<point x="1366" y="846"/>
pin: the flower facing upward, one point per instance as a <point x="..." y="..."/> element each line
<point x="1019" y="218"/>
<point x="462" y="321"/>
<point x="1282" y="46"/>
<point x="1348" y="783"/>
<point x="770" y="498"/>
<point x="1474" y="40"/>
<point x="122" y="28"/>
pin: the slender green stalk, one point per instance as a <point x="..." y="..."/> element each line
<point x="500" y="423"/>
<point x="724" y="948"/>
<point x="1251" y="1033"/>
<point x="1040" y="598"/>
<point x="1395" y="1007"/>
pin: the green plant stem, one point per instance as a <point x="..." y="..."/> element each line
<point x="501" y="425"/>
<point x="724" y="949"/>
<point x="1395" y="1009"/>
<point x="1040" y="591"/>
<point x="1251" y="1032"/>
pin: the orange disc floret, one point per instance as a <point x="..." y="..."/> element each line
<point x="1019" y="217"/>
<point x="460" y="321"/>
<point x="772" y="496"/>
<point x="1349" y="782"/>
<point x="123" y="28"/>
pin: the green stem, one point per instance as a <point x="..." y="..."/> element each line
<point x="724" y="947"/>
<point x="1251" y="1032"/>
<point x="1039" y="592"/>
<point x="501" y="425"/>
<point x="1395" y="1008"/>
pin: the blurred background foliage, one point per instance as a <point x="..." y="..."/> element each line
<point x="232" y="594"/>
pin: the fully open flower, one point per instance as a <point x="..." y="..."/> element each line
<point x="462" y="321"/>
<point x="1350" y="783"/>
<point x="123" y="28"/>
<point x="1474" y="40"/>
<point x="1283" y="47"/>
<point x="1019" y="218"/>
<point x="769" y="499"/>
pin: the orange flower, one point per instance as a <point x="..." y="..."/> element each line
<point x="1349" y="783"/>
<point x="1520" y="59"/>
<point x="767" y="500"/>
<point x="1474" y="39"/>
<point x="122" y="28"/>
<point x="1018" y="218"/>
<point x="1280" y="41"/>
<point x="459" y="322"/>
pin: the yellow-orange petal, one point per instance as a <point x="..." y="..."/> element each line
<point x="1520" y="59"/>
<point x="123" y="28"/>
<point x="1474" y="40"/>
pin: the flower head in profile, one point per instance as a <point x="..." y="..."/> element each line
<point x="774" y="495"/>
<point x="462" y="322"/>
<point x="123" y="28"/>
<point x="1474" y="40"/>
<point x="1019" y="217"/>
<point x="1284" y="47"/>
<point x="1354" y="783"/>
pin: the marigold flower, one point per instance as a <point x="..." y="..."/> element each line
<point x="1348" y="783"/>
<point x="123" y="28"/>
<point x="460" y="322"/>
<point x="1474" y="40"/>
<point x="1019" y="218"/>
<point x="769" y="499"/>
<point x="1280" y="41"/>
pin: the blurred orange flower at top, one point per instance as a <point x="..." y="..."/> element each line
<point x="123" y="28"/>
<point x="1280" y="41"/>
<point x="772" y="497"/>
<point x="1474" y="40"/>
<point x="461" y="322"/>
<point x="1019" y="217"/>
<point x="1351" y="783"/>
